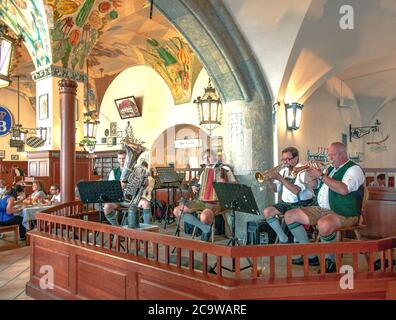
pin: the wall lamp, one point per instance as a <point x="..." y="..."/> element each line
<point x="293" y="115"/>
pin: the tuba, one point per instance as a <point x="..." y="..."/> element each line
<point x="262" y="176"/>
<point x="134" y="175"/>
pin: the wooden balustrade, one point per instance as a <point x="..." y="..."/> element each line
<point x="152" y="264"/>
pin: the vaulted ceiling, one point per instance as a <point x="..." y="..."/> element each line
<point x="299" y="45"/>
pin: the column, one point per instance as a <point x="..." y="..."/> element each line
<point x="67" y="93"/>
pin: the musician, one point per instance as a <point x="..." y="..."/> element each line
<point x="135" y="180"/>
<point x="339" y="201"/>
<point x="207" y="201"/>
<point x="109" y="209"/>
<point x="295" y="192"/>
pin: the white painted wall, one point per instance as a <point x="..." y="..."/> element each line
<point x="323" y="122"/>
<point x="159" y="111"/>
<point x="375" y="155"/>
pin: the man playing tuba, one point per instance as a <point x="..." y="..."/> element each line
<point x="294" y="192"/>
<point x="134" y="180"/>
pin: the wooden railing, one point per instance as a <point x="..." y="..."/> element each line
<point x="152" y="263"/>
<point x="55" y="222"/>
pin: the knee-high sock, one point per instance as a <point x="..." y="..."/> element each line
<point x="112" y="218"/>
<point x="191" y="219"/>
<point x="146" y="216"/>
<point x="332" y="237"/>
<point x="133" y="217"/>
<point x="274" y="224"/>
<point x="299" y="233"/>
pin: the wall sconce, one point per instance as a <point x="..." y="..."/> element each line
<point x="359" y="132"/>
<point x="209" y="108"/>
<point x="293" y="115"/>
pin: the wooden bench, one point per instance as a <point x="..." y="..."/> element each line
<point x="13" y="228"/>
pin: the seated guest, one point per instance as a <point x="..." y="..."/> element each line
<point x="295" y="192"/>
<point x="207" y="201"/>
<point x="380" y="181"/>
<point x="339" y="198"/>
<point x="8" y="210"/>
<point x="55" y="194"/>
<point x="38" y="196"/>
<point x="3" y="188"/>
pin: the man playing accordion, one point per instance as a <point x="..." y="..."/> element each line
<point x="207" y="201"/>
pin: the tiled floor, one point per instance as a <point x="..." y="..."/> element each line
<point x="14" y="269"/>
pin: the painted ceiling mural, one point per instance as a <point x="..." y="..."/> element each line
<point x="118" y="34"/>
<point x="111" y="34"/>
<point x="27" y="18"/>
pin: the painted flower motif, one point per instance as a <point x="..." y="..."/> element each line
<point x="95" y="20"/>
<point x="67" y="6"/>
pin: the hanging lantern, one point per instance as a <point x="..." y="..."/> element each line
<point x="7" y="46"/>
<point x="209" y="109"/>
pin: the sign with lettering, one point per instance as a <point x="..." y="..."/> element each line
<point x="188" y="143"/>
<point x="5" y="121"/>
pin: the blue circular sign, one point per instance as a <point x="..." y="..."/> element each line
<point x="5" y="121"/>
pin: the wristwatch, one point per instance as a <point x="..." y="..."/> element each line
<point x="321" y="176"/>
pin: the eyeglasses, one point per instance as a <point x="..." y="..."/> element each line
<point x="287" y="159"/>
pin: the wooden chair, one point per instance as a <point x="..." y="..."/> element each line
<point x="212" y="227"/>
<point x="356" y="228"/>
<point x="13" y="228"/>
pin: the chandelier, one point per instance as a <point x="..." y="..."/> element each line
<point x="209" y="109"/>
<point x="7" y="47"/>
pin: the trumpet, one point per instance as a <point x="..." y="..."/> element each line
<point x="262" y="176"/>
<point x="312" y="164"/>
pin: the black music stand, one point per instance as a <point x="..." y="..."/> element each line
<point x="168" y="176"/>
<point x="237" y="197"/>
<point x="100" y="192"/>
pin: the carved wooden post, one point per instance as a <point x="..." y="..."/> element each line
<point x="67" y="93"/>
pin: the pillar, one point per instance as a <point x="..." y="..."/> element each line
<point x="67" y="93"/>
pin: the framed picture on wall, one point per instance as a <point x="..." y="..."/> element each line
<point x="43" y="107"/>
<point x="2" y="153"/>
<point x="14" y="157"/>
<point x="127" y="107"/>
<point x="113" y="129"/>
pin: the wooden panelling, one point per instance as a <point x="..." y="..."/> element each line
<point x="6" y="170"/>
<point x="380" y="213"/>
<point x="103" y="269"/>
<point x="100" y="281"/>
<point x="58" y="260"/>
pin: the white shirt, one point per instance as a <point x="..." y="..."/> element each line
<point x="56" y="198"/>
<point x="306" y="192"/>
<point x="353" y="179"/>
<point x="2" y="192"/>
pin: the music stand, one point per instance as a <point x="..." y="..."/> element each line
<point x="167" y="176"/>
<point x="237" y="197"/>
<point x="100" y="192"/>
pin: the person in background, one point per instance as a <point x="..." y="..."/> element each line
<point x="17" y="174"/>
<point x="55" y="194"/>
<point x="380" y="181"/>
<point x="38" y="196"/>
<point x="3" y="188"/>
<point x="8" y="210"/>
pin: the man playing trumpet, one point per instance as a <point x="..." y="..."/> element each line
<point x="295" y="193"/>
<point x="339" y="201"/>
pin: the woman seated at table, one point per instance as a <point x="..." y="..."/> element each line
<point x="38" y="196"/>
<point x="8" y="210"/>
